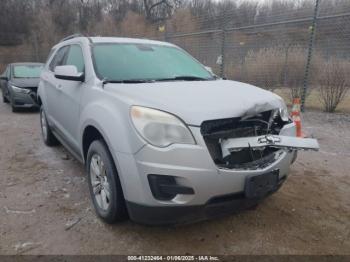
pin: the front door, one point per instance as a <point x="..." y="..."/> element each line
<point x="67" y="96"/>
<point x="51" y="84"/>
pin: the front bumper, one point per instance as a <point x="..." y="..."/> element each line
<point x="184" y="214"/>
<point x="21" y="100"/>
<point x="193" y="167"/>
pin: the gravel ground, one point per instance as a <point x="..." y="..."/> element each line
<point x="45" y="206"/>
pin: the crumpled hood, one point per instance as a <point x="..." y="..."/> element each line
<point x="197" y="101"/>
<point x="25" y="82"/>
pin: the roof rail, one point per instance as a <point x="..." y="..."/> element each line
<point x="71" y="37"/>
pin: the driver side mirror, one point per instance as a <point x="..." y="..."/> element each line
<point x="69" y="72"/>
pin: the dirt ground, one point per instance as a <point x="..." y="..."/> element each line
<point x="45" y="206"/>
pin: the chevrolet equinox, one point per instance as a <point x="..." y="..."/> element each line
<point x="163" y="139"/>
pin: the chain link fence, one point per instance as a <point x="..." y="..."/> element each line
<point x="289" y="51"/>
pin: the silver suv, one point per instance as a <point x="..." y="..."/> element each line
<point x="163" y="139"/>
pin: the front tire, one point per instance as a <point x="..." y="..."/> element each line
<point x="12" y="103"/>
<point x="4" y="99"/>
<point x="48" y="137"/>
<point x="14" y="109"/>
<point x="104" y="184"/>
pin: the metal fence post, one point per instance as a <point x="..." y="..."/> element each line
<point x="309" y="56"/>
<point x="166" y="33"/>
<point x="36" y="47"/>
<point x="223" y="47"/>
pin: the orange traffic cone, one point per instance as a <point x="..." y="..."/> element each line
<point x="296" y="117"/>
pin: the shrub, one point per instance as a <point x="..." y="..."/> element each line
<point x="264" y="68"/>
<point x="294" y="71"/>
<point x="334" y="83"/>
<point x="271" y="68"/>
<point x="278" y="67"/>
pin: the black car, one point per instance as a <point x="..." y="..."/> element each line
<point x="19" y="84"/>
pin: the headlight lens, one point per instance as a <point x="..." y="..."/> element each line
<point x="20" y="90"/>
<point x="284" y="113"/>
<point x="159" y="128"/>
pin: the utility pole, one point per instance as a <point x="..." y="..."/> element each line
<point x="309" y="56"/>
<point x="223" y="49"/>
<point x="36" y="46"/>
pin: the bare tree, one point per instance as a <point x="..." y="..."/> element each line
<point x="334" y="83"/>
<point x="160" y="10"/>
<point x="15" y="21"/>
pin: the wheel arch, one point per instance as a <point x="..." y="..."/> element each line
<point x="40" y="102"/>
<point x="114" y="126"/>
<point x="92" y="132"/>
<point x="110" y="120"/>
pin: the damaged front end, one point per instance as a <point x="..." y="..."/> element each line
<point x="253" y="142"/>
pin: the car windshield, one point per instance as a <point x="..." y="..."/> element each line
<point x="27" y="71"/>
<point x="146" y="62"/>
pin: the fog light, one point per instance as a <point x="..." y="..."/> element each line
<point x="166" y="188"/>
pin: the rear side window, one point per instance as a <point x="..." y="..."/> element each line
<point x="75" y="57"/>
<point x="59" y="58"/>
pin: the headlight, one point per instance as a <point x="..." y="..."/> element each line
<point x="284" y="113"/>
<point x="20" y="90"/>
<point x="159" y="128"/>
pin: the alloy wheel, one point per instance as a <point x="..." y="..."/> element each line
<point x="99" y="182"/>
<point x="44" y="125"/>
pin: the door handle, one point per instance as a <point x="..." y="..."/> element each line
<point x="59" y="86"/>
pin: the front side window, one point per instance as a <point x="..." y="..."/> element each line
<point x="75" y="57"/>
<point x="118" y="62"/>
<point x="27" y="71"/>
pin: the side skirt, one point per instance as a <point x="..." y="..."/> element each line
<point x="68" y="147"/>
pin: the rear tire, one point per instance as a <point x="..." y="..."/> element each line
<point x="104" y="184"/>
<point x="48" y="137"/>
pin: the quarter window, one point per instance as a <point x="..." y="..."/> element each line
<point x="8" y="72"/>
<point x="59" y="58"/>
<point x="50" y="55"/>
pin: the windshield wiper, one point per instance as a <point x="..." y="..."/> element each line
<point x="139" y="81"/>
<point x="184" y="78"/>
<point x="126" y="81"/>
<point x="26" y="77"/>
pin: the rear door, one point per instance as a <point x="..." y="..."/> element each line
<point x="67" y="96"/>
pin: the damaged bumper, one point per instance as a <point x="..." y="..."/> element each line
<point x="222" y="173"/>
<point x="217" y="190"/>
<point x="261" y="142"/>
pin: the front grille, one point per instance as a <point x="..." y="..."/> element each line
<point x="32" y="88"/>
<point x="213" y="131"/>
